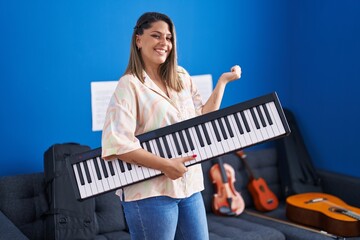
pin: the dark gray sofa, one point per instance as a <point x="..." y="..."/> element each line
<point x="23" y="205"/>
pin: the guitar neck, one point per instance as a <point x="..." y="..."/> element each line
<point x="336" y="208"/>
<point x="242" y="156"/>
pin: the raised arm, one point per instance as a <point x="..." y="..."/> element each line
<point x="214" y="101"/>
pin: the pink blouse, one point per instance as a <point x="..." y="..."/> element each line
<point x="136" y="108"/>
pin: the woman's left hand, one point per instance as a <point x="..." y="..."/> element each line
<point x="231" y="76"/>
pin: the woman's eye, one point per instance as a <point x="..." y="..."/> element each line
<point x="155" y="36"/>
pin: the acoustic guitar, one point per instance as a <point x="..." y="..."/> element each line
<point x="325" y="212"/>
<point x="264" y="199"/>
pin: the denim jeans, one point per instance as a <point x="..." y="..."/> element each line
<point x="165" y="218"/>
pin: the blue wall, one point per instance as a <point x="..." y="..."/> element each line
<point x="52" y="50"/>
<point x="325" y="50"/>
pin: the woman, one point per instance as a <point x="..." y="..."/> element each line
<point x="155" y="92"/>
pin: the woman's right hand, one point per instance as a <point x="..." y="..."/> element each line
<point x="175" y="167"/>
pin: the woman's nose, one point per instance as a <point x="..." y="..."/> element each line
<point x="163" y="40"/>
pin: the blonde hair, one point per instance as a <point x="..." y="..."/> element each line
<point x="167" y="70"/>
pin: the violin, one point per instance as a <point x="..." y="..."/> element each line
<point x="226" y="201"/>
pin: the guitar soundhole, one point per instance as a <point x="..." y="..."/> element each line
<point x="270" y="201"/>
<point x="262" y="188"/>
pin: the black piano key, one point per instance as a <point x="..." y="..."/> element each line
<point x="254" y="118"/>
<point x="121" y="165"/>
<point x="218" y="138"/>
<point x="261" y="116"/>
<point x="111" y="167"/>
<point x="129" y="167"/>
<point x="245" y="121"/>
<point x="167" y="148"/>
<point x="82" y="182"/>
<point x="97" y="170"/>
<point x="207" y="137"/>
<point x="106" y="175"/>
<point x="267" y="114"/>
<point x="237" y="120"/>
<point x="178" y="149"/>
<point x="228" y="126"/>
<point x="87" y="173"/>
<point x="161" y="152"/>
<point x="182" y="139"/>
<point x="199" y="136"/>
<point x="222" y="129"/>
<point x="189" y="139"/>
<point x="148" y="146"/>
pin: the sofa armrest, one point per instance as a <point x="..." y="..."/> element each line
<point x="8" y="230"/>
<point x="342" y="186"/>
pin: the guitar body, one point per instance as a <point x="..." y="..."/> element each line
<point x="324" y="211"/>
<point x="264" y="198"/>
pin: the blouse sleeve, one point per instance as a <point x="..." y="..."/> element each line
<point x="118" y="136"/>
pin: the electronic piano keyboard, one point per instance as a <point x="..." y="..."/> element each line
<point x="208" y="136"/>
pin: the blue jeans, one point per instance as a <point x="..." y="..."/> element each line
<point x="165" y="218"/>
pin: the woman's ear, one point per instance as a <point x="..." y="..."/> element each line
<point x="138" y="41"/>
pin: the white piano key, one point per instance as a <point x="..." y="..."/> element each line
<point x="206" y="147"/>
<point x="99" y="186"/>
<point x="269" y="128"/>
<point x="239" y="142"/>
<point x="86" y="186"/>
<point x="246" y="135"/>
<point x="202" y="155"/>
<point x="263" y="131"/>
<point x="110" y="178"/>
<point x="218" y="144"/>
<point x="254" y="134"/>
<point x="133" y="172"/>
<point x="183" y="154"/>
<point x="230" y="141"/>
<point x="81" y="188"/>
<point x="196" y="150"/>
<point x="154" y="151"/>
<point x="276" y="117"/>
<point x="93" y="183"/>
<point x="119" y="173"/>
<point x="223" y="140"/>
<point x="191" y="152"/>
<point x="139" y="171"/>
<point x="162" y="144"/>
<point x="149" y="170"/>
<point x="116" y="178"/>
<point x="104" y="180"/>
<point x="171" y="145"/>
<point x="216" y="147"/>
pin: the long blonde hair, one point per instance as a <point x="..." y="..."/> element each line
<point x="167" y="70"/>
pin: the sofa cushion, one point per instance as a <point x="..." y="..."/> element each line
<point x="8" y="230"/>
<point x="108" y="213"/>
<point x="221" y="228"/>
<point x="23" y="201"/>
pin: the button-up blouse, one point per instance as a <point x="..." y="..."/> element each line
<point x="136" y="108"/>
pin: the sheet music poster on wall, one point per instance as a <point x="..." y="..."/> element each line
<point x="102" y="91"/>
